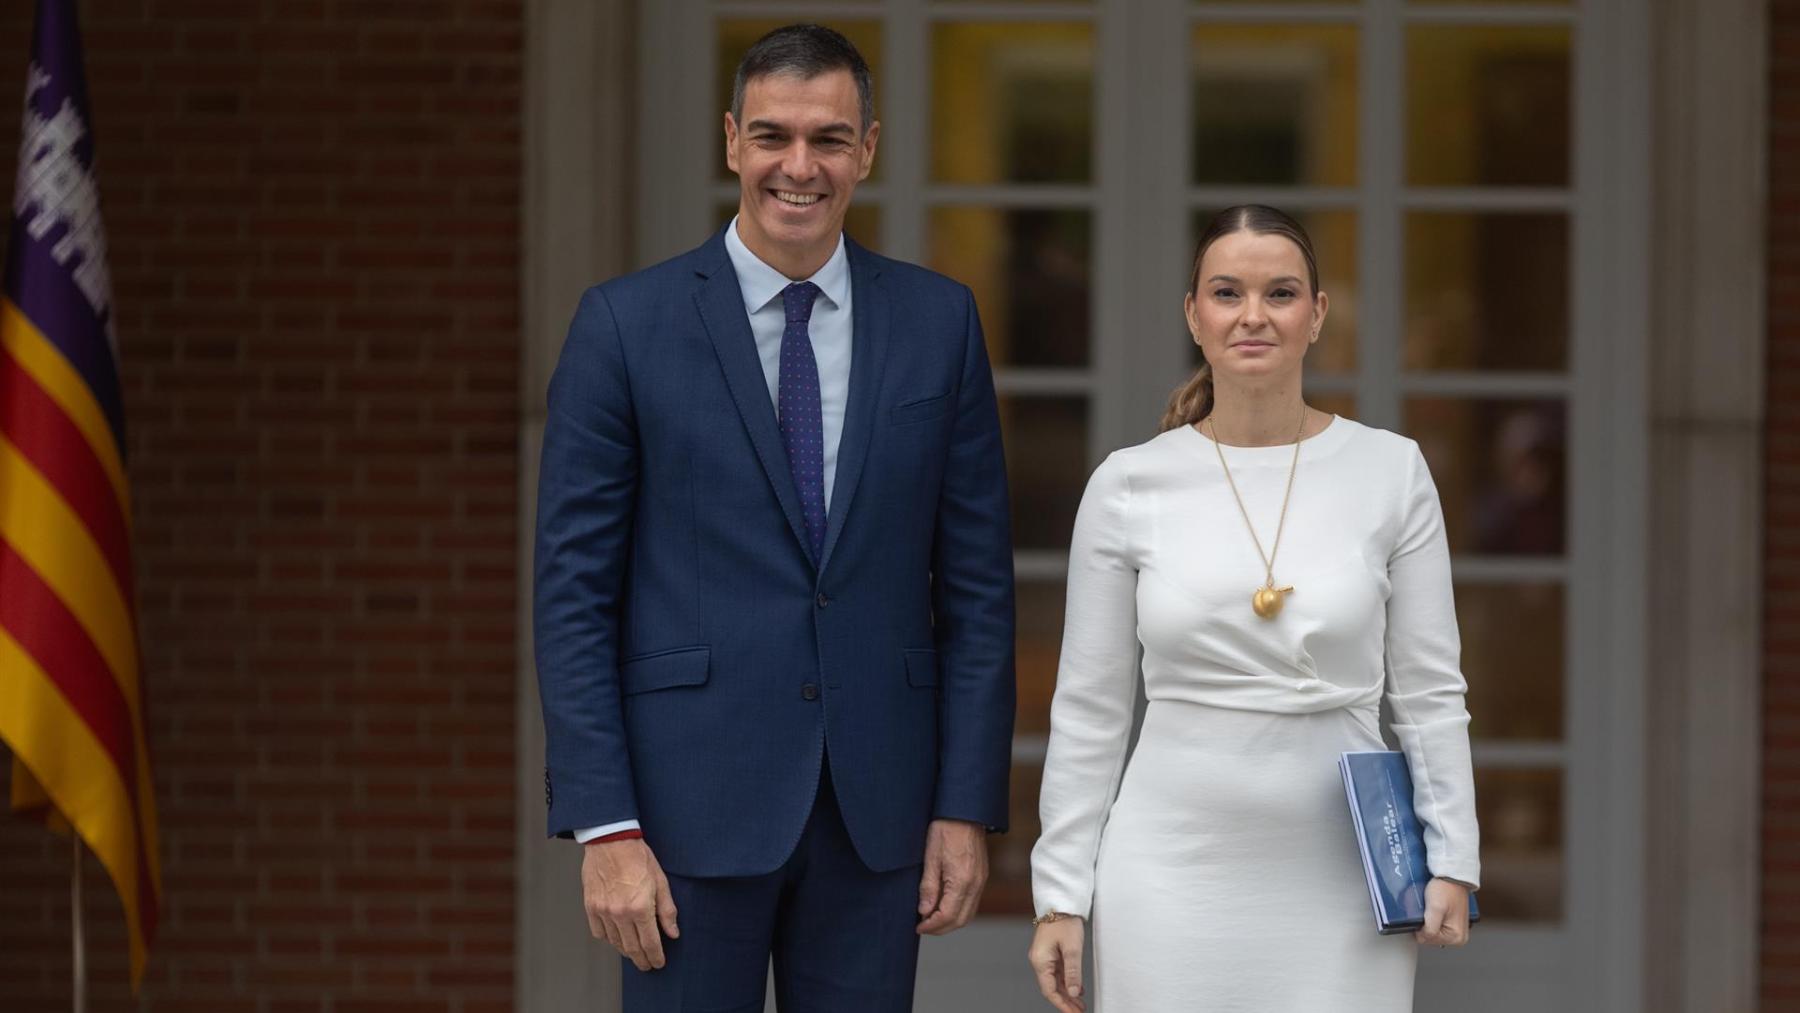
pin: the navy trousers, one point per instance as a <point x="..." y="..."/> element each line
<point x="842" y="937"/>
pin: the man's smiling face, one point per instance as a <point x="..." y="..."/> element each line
<point x="798" y="154"/>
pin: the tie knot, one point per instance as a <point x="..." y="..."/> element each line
<point x="797" y="299"/>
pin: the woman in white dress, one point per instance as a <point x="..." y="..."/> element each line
<point x="1282" y="568"/>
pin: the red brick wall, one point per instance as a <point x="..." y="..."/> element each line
<point x="1781" y="643"/>
<point x="313" y="208"/>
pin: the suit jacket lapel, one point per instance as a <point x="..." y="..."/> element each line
<point x="868" y="360"/>
<point x="721" y="305"/>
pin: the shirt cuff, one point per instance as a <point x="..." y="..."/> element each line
<point x="594" y="833"/>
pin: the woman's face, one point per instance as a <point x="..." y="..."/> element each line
<point x="1253" y="312"/>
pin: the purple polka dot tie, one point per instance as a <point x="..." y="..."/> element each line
<point x="797" y="409"/>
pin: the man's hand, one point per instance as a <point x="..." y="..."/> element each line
<point x="626" y="896"/>
<point x="956" y="870"/>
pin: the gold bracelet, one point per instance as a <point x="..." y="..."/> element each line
<point x="1052" y="916"/>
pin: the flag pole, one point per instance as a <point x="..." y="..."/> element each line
<point x="79" y="939"/>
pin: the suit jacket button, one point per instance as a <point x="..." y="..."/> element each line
<point x="824" y="600"/>
<point x="809" y="692"/>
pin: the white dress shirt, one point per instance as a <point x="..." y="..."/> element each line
<point x="830" y="331"/>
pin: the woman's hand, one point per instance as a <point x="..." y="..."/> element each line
<point x="1055" y="957"/>
<point x="1446" y="914"/>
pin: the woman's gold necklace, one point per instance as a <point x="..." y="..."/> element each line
<point x="1267" y="600"/>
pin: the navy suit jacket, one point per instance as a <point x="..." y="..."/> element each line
<point x="695" y="661"/>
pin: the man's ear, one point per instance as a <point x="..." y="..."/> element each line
<point x="731" y="136"/>
<point x="868" y="150"/>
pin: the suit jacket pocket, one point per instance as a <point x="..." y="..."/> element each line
<point x="921" y="668"/>
<point x="681" y="666"/>
<point x="921" y="409"/>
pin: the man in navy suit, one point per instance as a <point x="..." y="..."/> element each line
<point x="774" y="596"/>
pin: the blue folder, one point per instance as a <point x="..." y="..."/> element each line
<point x="1390" y="838"/>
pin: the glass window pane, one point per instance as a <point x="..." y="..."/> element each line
<point x="736" y="35"/>
<point x="1012" y="103"/>
<point x="1046" y="466"/>
<point x="1030" y="273"/>
<point x="862" y="222"/>
<point x="1336" y="404"/>
<point x="1009" y="854"/>
<point x="1488" y="106"/>
<point x="1040" y="607"/>
<point x="1500" y="468"/>
<point x="1515" y="682"/>
<point x="1039" y="648"/>
<point x="1487" y="292"/>
<point x="1274" y="104"/>
<point x="1333" y="235"/>
<point x="1520" y="812"/>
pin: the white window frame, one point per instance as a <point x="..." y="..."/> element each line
<point x="1141" y="85"/>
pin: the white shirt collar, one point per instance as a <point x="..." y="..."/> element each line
<point x="762" y="284"/>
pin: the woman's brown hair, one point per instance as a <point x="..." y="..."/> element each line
<point x="1193" y="400"/>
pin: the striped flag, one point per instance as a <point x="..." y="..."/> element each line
<point x="71" y="690"/>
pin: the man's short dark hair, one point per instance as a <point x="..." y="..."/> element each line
<point x="805" y="51"/>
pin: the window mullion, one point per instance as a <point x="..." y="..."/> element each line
<point x="1381" y="179"/>
<point x="1141" y="346"/>
<point x="905" y="144"/>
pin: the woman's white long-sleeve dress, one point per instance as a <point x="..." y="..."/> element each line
<point x="1222" y="873"/>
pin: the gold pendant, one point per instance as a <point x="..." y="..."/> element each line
<point x="1267" y="600"/>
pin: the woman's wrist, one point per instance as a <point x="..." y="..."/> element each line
<point x="1049" y="917"/>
